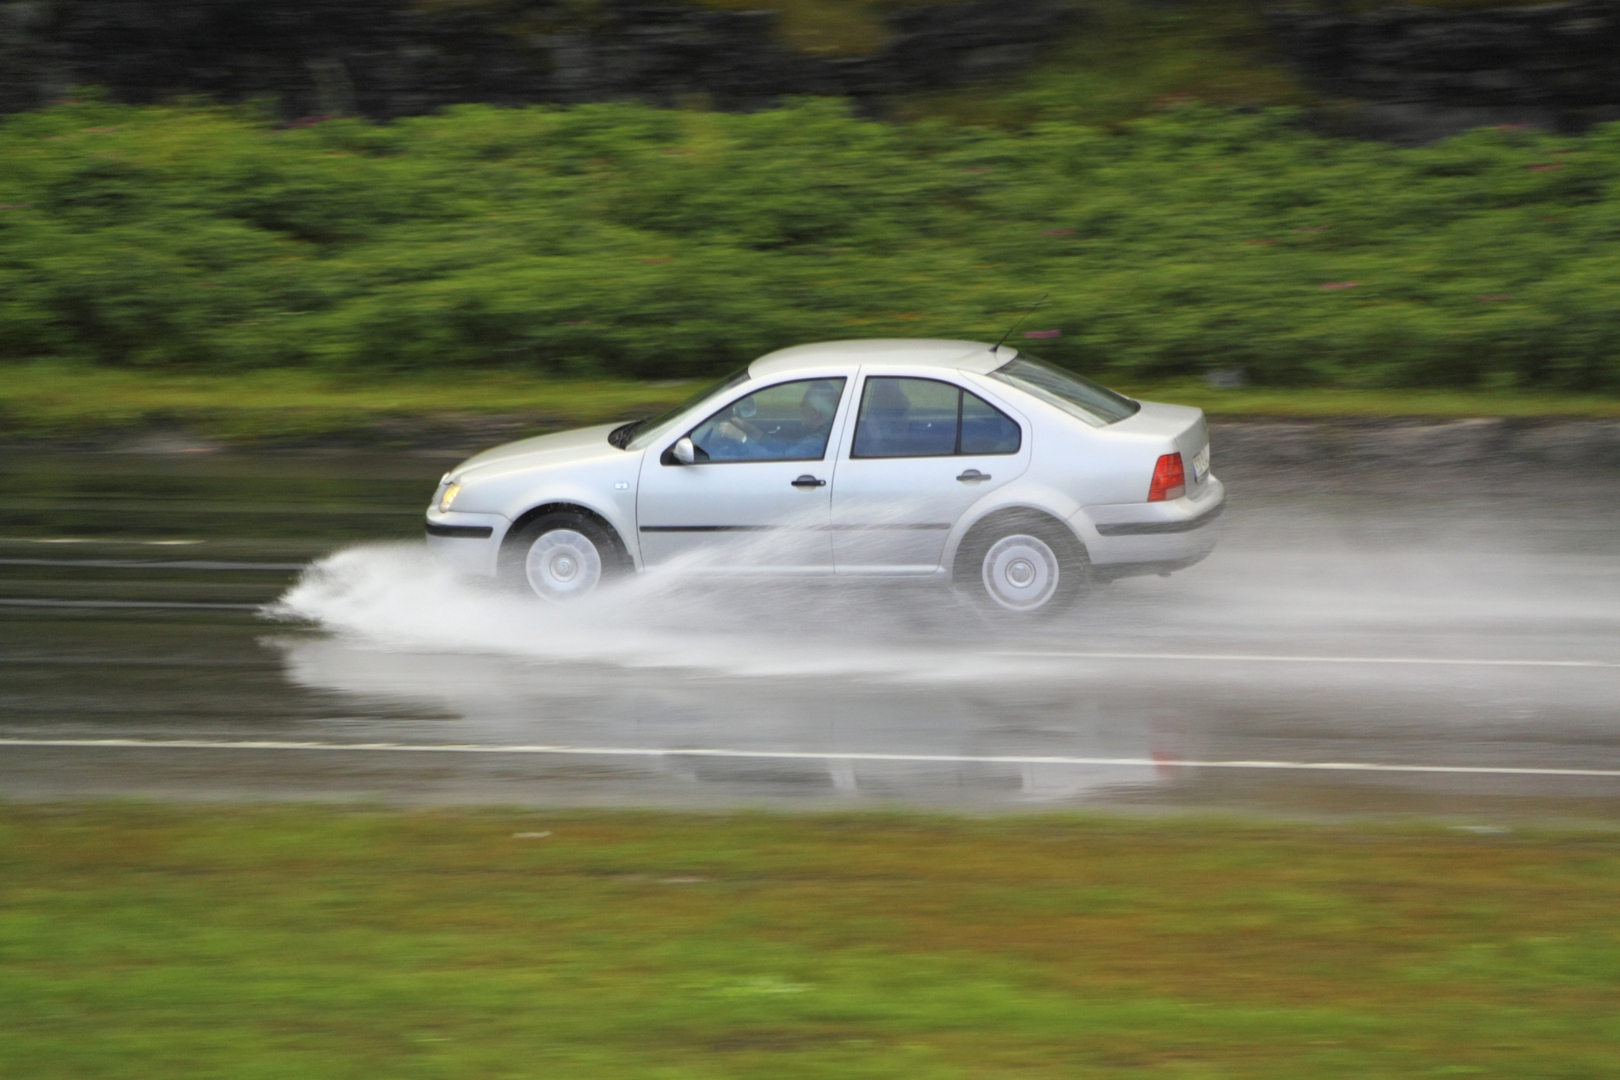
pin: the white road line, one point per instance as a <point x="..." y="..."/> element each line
<point x="128" y="604"/>
<point x="86" y="540"/>
<point x="154" y="564"/>
<point x="788" y="755"/>
<point x="1254" y="658"/>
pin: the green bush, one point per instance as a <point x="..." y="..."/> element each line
<point x="626" y="240"/>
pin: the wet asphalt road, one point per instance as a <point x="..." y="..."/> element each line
<point x="1431" y="641"/>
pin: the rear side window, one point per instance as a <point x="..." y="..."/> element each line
<point x="929" y="418"/>
<point x="986" y="429"/>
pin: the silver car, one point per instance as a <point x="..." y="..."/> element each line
<point x="953" y="460"/>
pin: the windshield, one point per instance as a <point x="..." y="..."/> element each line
<point x="1079" y="397"/>
<point x="638" y="433"/>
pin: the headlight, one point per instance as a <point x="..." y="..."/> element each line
<point x="449" y="496"/>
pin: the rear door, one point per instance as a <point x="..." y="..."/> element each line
<point x="920" y="453"/>
<point x="759" y="494"/>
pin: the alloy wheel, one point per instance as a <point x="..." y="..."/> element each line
<point x="563" y="564"/>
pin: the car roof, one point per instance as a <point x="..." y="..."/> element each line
<point x="974" y="356"/>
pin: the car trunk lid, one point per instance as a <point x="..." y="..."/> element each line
<point x="1184" y="428"/>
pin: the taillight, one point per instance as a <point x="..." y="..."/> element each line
<point x="1169" y="479"/>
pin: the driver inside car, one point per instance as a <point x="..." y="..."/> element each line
<point x="740" y="437"/>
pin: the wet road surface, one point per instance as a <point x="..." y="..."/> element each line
<point x="1431" y="641"/>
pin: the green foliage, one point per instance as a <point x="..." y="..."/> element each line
<point x="617" y="239"/>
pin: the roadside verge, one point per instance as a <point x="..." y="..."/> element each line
<point x="62" y="408"/>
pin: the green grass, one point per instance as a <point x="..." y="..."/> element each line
<point x="1327" y="403"/>
<point x="60" y="401"/>
<point x="259" y="943"/>
<point x="56" y="401"/>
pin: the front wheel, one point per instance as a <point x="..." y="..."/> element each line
<point x="1024" y="565"/>
<point x="561" y="556"/>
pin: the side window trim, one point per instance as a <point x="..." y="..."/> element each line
<point x="858" y="405"/>
<point x="961" y="396"/>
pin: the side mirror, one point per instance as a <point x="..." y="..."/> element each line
<point x="683" y="451"/>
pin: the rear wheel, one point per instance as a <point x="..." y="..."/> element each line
<point x="562" y="556"/>
<point x="1022" y="565"/>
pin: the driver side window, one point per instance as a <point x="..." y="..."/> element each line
<point x="790" y="421"/>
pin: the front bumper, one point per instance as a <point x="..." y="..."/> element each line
<point x="1151" y="538"/>
<point x="468" y="543"/>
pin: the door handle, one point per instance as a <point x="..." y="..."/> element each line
<point x="972" y="475"/>
<point x="806" y="482"/>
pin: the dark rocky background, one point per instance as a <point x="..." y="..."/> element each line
<point x="1423" y="73"/>
<point x="389" y="58"/>
<point x="1415" y="73"/>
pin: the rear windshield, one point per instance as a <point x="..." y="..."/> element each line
<point x="1082" y="398"/>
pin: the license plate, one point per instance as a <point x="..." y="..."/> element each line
<point x="1200" y="465"/>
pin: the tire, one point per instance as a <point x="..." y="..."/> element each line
<point x="1022" y="565"/>
<point x="561" y="556"/>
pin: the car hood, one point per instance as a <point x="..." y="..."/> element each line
<point x="563" y="448"/>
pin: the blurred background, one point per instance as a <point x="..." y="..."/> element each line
<point x="269" y="267"/>
<point x="1322" y="195"/>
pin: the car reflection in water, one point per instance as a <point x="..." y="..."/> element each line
<point x="821" y="725"/>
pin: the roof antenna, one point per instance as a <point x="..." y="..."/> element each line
<point x="1021" y="318"/>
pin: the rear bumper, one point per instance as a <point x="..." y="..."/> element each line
<point x="1151" y="538"/>
<point x="1115" y="571"/>
<point x="467" y="543"/>
<point x="1159" y="528"/>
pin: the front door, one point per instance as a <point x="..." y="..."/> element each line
<point x="923" y="452"/>
<point x="759" y="493"/>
